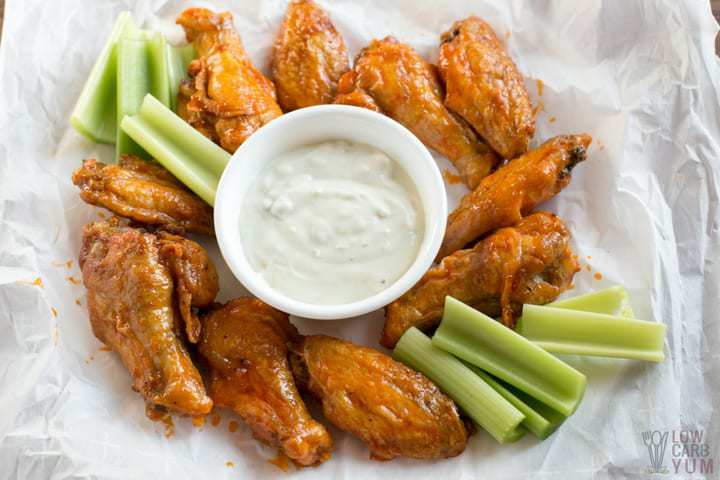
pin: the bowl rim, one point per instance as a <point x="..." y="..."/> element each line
<point x="227" y="233"/>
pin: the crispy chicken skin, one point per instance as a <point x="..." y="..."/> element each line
<point x="309" y="57"/>
<point x="529" y="263"/>
<point x="226" y="98"/>
<point x="133" y="310"/>
<point x="244" y="343"/>
<point x="394" y="410"/>
<point x="514" y="190"/>
<point x="484" y="86"/>
<point x="143" y="192"/>
<point x="196" y="280"/>
<point x="392" y="78"/>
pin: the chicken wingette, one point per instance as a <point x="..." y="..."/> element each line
<point x="514" y="190"/>
<point x="394" y="410"/>
<point x="392" y="78"/>
<point x="309" y="56"/>
<point x="227" y="99"/>
<point x="145" y="193"/>
<point x="484" y="87"/>
<point x="529" y="263"/>
<point x="244" y="343"/>
<point x="133" y="307"/>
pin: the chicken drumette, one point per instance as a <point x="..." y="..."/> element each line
<point x="394" y="410"/>
<point x="134" y="283"/>
<point x="514" y="190"/>
<point x="244" y="342"/>
<point x="392" y="78"/>
<point x="309" y="57"/>
<point x="529" y="263"/>
<point x="227" y="98"/>
<point x="484" y="86"/>
<point x="145" y="193"/>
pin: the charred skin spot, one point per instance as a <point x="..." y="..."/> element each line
<point x="577" y="155"/>
<point x="450" y="36"/>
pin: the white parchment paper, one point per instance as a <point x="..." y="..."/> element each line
<point x="641" y="76"/>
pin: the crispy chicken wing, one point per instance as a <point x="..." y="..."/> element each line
<point x="529" y="263"/>
<point x="145" y="193"/>
<point x="309" y="57"/>
<point x="391" y="77"/>
<point x="394" y="410"/>
<point x="133" y="310"/>
<point x="484" y="86"/>
<point x="245" y="344"/>
<point x="514" y="190"/>
<point x="227" y="98"/>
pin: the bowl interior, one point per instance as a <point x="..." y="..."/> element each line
<point x="314" y="125"/>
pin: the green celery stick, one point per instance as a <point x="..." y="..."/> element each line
<point x="95" y="115"/>
<point x="178" y="60"/>
<point x="197" y="145"/>
<point x="540" y="419"/>
<point x="586" y="333"/>
<point x="480" y="402"/>
<point x="158" y="65"/>
<point x="191" y="157"/>
<point x="515" y="435"/>
<point x="612" y="301"/>
<point x="142" y="69"/>
<point x="485" y="343"/>
<point x="133" y="84"/>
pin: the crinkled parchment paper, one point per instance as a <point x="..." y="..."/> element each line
<point x="640" y="76"/>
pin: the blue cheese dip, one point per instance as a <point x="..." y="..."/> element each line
<point x="332" y="223"/>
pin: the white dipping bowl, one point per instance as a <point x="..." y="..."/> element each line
<point x="313" y="125"/>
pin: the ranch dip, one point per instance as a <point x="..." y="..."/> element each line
<point x="332" y="223"/>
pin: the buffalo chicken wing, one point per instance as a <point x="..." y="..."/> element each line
<point x="514" y="190"/>
<point x="529" y="263"/>
<point x="134" y="311"/>
<point x="394" y="410"/>
<point x="145" y="193"/>
<point x="309" y="57"/>
<point x="226" y="98"/>
<point x="245" y="344"/>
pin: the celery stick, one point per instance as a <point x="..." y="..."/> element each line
<point x="191" y="157"/>
<point x="171" y="157"/>
<point x="158" y="65"/>
<point x="94" y="115"/>
<point x="178" y="60"/>
<point x="540" y="419"/>
<point x="203" y="151"/>
<point x="586" y="333"/>
<point x="142" y="69"/>
<point x="612" y="301"/>
<point x="480" y="402"/>
<point x="132" y="85"/>
<point x="485" y="343"/>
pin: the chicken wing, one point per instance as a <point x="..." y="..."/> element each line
<point x="145" y="193"/>
<point x="394" y="410"/>
<point x="245" y="344"/>
<point x="514" y="190"/>
<point x="226" y="98"/>
<point x="396" y="79"/>
<point x="529" y="263"/>
<point x="133" y="310"/>
<point x="309" y="57"/>
<point x="484" y="87"/>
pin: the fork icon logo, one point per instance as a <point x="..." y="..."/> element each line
<point x="656" y="443"/>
